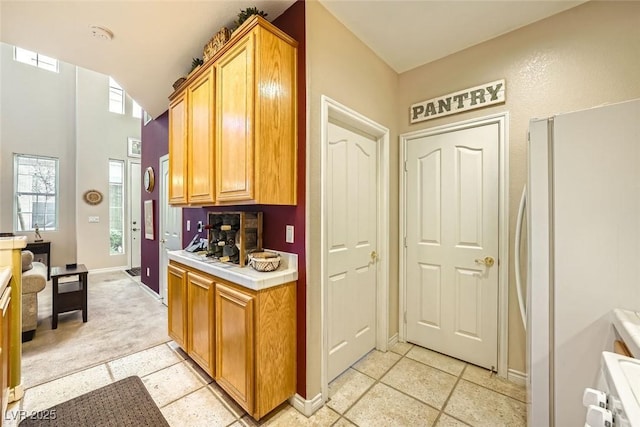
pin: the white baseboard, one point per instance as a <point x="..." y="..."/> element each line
<point x="393" y="340"/>
<point x="517" y="377"/>
<point x="306" y="407"/>
<point x="108" y="269"/>
<point x="149" y="291"/>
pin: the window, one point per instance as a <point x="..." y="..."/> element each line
<point x="37" y="60"/>
<point x="36" y="192"/>
<point x="116" y="206"/>
<point x="116" y="97"/>
<point x="136" y="112"/>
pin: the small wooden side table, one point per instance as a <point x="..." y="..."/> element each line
<point x="69" y="296"/>
<point x="44" y="250"/>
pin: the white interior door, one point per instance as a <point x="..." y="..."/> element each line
<point x="452" y="218"/>
<point x="135" y="189"/>
<point x="170" y="226"/>
<point x="351" y="240"/>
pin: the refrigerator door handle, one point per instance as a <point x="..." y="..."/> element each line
<point x="516" y="256"/>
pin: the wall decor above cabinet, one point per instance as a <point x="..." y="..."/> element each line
<point x="233" y="123"/>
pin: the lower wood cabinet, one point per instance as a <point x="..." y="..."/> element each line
<point x="5" y="334"/>
<point x="177" y="295"/>
<point x="200" y="320"/>
<point x="245" y="339"/>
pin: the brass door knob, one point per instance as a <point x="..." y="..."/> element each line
<point x="488" y="261"/>
<point x="374" y="256"/>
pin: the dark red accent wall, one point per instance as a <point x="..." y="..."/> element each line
<point x="275" y="218"/>
<point x="155" y="144"/>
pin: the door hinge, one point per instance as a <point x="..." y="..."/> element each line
<point x="405" y="241"/>
<point x="405" y="166"/>
<point x="405" y="317"/>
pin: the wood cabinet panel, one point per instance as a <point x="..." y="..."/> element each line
<point x="276" y="120"/>
<point x="200" y="136"/>
<point x="201" y="320"/>
<point x="234" y="119"/>
<point x="178" y="150"/>
<point x="5" y="335"/>
<point x="234" y="344"/>
<point x="177" y="304"/>
<point x="275" y="347"/>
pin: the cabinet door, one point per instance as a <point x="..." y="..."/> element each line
<point x="200" y="139"/>
<point x="234" y="344"/>
<point x="235" y="123"/>
<point x="5" y="331"/>
<point x="200" y="320"/>
<point x="178" y="151"/>
<point x="177" y="295"/>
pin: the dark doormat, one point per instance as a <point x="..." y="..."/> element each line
<point x="125" y="403"/>
<point x="134" y="271"/>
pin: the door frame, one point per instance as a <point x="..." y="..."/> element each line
<point x="333" y="110"/>
<point x="502" y="119"/>
<point x="129" y="218"/>
<point x="162" y="288"/>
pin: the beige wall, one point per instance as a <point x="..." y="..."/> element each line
<point x="341" y="67"/>
<point x="101" y="136"/>
<point x="64" y="115"/>
<point x="578" y="59"/>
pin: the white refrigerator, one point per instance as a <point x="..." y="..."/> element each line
<point x="583" y="211"/>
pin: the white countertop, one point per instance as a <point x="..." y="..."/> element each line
<point x="13" y="242"/>
<point x="627" y="324"/>
<point x="244" y="276"/>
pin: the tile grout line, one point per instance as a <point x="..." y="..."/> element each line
<point x="453" y="389"/>
<point x="376" y="381"/>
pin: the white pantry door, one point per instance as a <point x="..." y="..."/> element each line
<point x="170" y="226"/>
<point x="352" y="188"/>
<point x="452" y="228"/>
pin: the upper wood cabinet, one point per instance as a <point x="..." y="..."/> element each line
<point x="178" y="150"/>
<point x="200" y="139"/>
<point x="249" y="117"/>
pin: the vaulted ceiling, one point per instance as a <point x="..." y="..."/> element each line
<point x="154" y="41"/>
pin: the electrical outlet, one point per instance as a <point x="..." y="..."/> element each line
<point x="93" y="219"/>
<point x="199" y="226"/>
<point x="188" y="225"/>
<point x="289" y="234"/>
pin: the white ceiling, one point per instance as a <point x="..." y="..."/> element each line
<point x="154" y="41"/>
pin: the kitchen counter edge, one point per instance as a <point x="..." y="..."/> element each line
<point x="244" y="276"/>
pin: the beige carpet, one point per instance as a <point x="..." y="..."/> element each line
<point x="122" y="319"/>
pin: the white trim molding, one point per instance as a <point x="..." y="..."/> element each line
<point x="109" y="269"/>
<point x="502" y="119"/>
<point x="304" y="406"/>
<point x="334" y="111"/>
<point x="517" y="377"/>
<point x="393" y="340"/>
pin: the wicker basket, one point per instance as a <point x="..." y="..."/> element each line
<point x="264" y="261"/>
<point x="216" y="43"/>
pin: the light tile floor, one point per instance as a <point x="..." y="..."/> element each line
<point x="407" y="386"/>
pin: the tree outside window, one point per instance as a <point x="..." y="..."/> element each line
<point x="36" y="192"/>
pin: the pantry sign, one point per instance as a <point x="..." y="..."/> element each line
<point x="457" y="102"/>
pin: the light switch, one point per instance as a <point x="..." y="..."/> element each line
<point x="188" y="225"/>
<point x="94" y="219"/>
<point x="148" y="271"/>
<point x="289" y="237"/>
